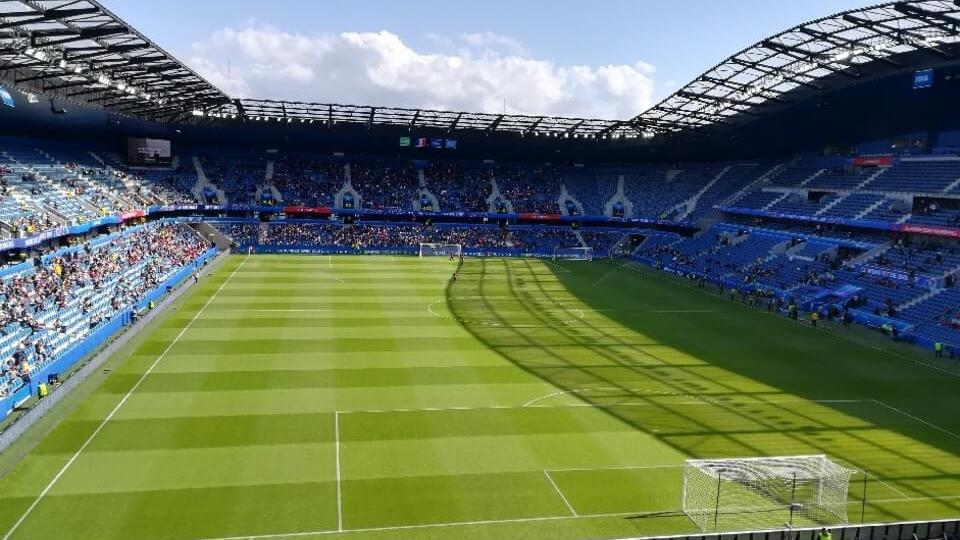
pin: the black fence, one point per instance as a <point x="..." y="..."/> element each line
<point x="910" y="530"/>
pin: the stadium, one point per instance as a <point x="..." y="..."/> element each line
<point x="735" y="315"/>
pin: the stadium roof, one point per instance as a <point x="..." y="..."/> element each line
<point x="78" y="50"/>
<point x="850" y="45"/>
<point x="332" y="113"/>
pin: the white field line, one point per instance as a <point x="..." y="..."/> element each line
<point x="336" y="431"/>
<point x="330" y="261"/>
<point x="560" y="493"/>
<point x="303" y="534"/>
<point x="709" y="400"/>
<point x="608" y="274"/>
<point x="279" y="310"/>
<point x="143" y="377"/>
<point x="560" y="269"/>
<point x="877" y="478"/>
<point x="616" y="468"/>
<point x="424" y="526"/>
<point x="675" y="311"/>
<point x="602" y="406"/>
<point x="917" y="418"/>
<point x="331" y="276"/>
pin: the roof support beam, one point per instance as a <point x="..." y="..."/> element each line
<point x="713" y="119"/>
<point x="89" y="34"/>
<point x="935" y="18"/>
<point x="807" y="56"/>
<point x="572" y="129"/>
<point x="896" y="34"/>
<point x="790" y="77"/>
<point x="728" y="101"/>
<point x="842" y="41"/>
<point x="26" y="17"/>
<point x="40" y="76"/>
<point x="68" y="85"/>
<point x="453" y="125"/>
<point x="739" y="87"/>
<point x="533" y="127"/>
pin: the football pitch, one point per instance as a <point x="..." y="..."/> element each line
<point x="371" y="398"/>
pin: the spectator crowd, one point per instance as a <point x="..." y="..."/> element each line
<point x="58" y="301"/>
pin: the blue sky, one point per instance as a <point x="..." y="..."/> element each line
<point x="583" y="58"/>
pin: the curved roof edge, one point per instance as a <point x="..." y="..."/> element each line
<point x="809" y="58"/>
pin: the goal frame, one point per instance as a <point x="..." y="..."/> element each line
<point x="573" y="253"/>
<point x="440" y="250"/>
<point x="764" y="493"/>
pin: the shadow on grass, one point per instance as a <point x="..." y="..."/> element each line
<point x="713" y="378"/>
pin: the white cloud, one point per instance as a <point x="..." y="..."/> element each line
<point x="378" y="68"/>
<point x="494" y="43"/>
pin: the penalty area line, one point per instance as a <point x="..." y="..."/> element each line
<point x="560" y="493"/>
<point x="608" y="274"/>
<point x="916" y="418"/>
<point x="120" y="404"/>
<point x="895" y="490"/>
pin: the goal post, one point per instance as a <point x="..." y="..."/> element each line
<point x="747" y="494"/>
<point x="573" y="253"/>
<point x="440" y="250"/>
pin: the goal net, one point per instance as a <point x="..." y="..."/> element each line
<point x="440" y="250"/>
<point x="765" y="493"/>
<point x="573" y="253"/>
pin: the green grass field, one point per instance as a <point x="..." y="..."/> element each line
<point x="370" y="398"/>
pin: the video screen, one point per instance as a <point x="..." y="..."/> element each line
<point x="148" y="152"/>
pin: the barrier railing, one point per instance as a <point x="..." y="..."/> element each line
<point x="908" y="530"/>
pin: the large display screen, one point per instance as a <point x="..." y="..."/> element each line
<point x="148" y="152"/>
<point x="427" y="142"/>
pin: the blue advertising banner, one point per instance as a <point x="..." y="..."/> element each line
<point x="923" y="79"/>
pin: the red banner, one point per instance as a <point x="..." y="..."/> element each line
<point x="132" y="215"/>
<point x="873" y="161"/>
<point x="540" y="217"/>
<point x="929" y="229"/>
<point x="307" y="210"/>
